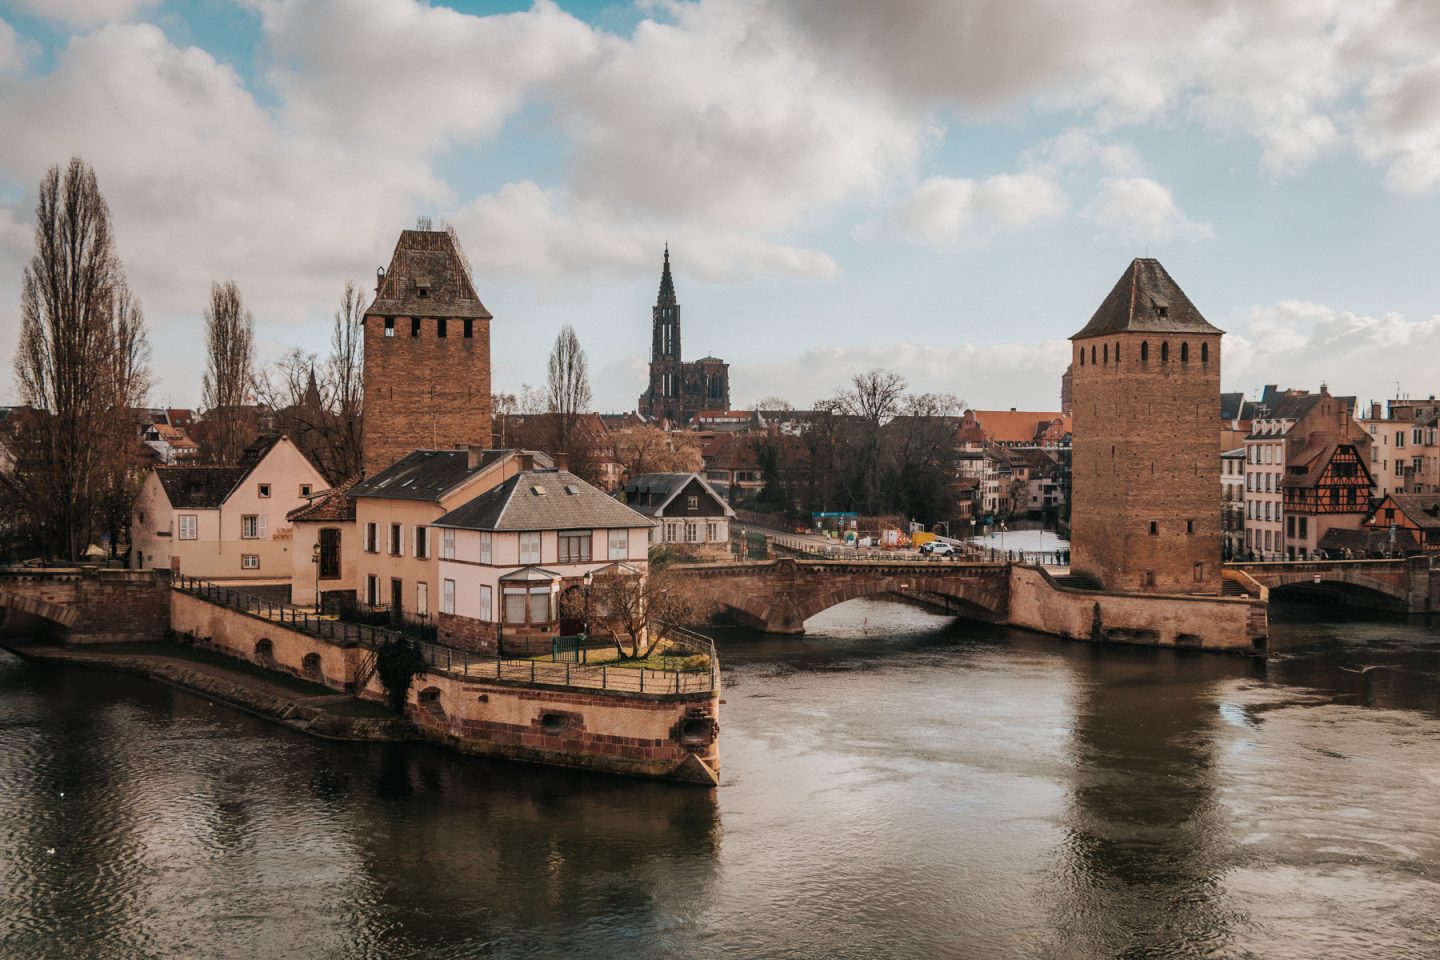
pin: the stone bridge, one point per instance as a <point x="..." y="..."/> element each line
<point x="1406" y="586"/>
<point x="83" y="604"/>
<point x="778" y="596"/>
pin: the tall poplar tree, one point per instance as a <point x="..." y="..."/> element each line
<point x="229" y="373"/>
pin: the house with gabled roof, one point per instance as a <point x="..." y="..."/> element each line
<point x="395" y="559"/>
<point x="1415" y="514"/>
<point x="690" y="516"/>
<point x="510" y="556"/>
<point x="324" y="546"/>
<point x="223" y="522"/>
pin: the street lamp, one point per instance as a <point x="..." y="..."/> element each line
<point x="585" y="631"/>
<point x="315" y="559"/>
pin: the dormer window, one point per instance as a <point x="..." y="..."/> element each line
<point x="537" y="490"/>
<point x="572" y="490"/>
<point x="422" y="290"/>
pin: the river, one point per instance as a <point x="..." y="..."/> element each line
<point x="894" y="785"/>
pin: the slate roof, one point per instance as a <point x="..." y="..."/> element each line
<point x="1423" y="509"/>
<point x="333" y="506"/>
<point x="1288" y="408"/>
<point x="660" y="488"/>
<point x="428" y="259"/>
<point x="1368" y="542"/>
<point x="423" y="475"/>
<point x="199" y="488"/>
<point x="1146" y="300"/>
<point x="566" y="503"/>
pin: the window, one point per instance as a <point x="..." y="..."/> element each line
<point x="1092" y="354"/>
<point x="422" y="597"/>
<point x="1164" y="353"/>
<point x="397" y="540"/>
<point x="372" y="544"/>
<point x="249" y="561"/>
<point x="514" y="605"/>
<point x="527" y="606"/>
<point x="422" y="542"/>
<point x="422" y="291"/>
<point x="414" y="327"/>
<point x="618" y="543"/>
<point x="264" y="491"/>
<point x="672" y="531"/>
<point x="1105" y="355"/>
<point x="1154" y="528"/>
<point x="487" y="602"/>
<point x="1400" y="438"/>
<point x="1144" y="351"/>
<point x="304" y="489"/>
<point x="252" y="527"/>
<point x="530" y="547"/>
<point x="712" y="532"/>
<point x="1184" y="353"/>
<point x="440" y="328"/>
<point x="447" y="596"/>
<point x="188" y="526"/>
<point x="1204" y="353"/>
<point x="487" y="548"/>
<point x="575" y="546"/>
<point x="692" y="532"/>
<point x="469" y="329"/>
<point x="539" y="604"/>
<point x="692" y="503"/>
<point x="372" y="590"/>
<point x="447" y="544"/>
<point x="1199" y="572"/>
<point x="329" y="554"/>
<point x="1304" y="528"/>
<point x="1189" y="526"/>
<point x="1417" y="436"/>
<point x="389" y="326"/>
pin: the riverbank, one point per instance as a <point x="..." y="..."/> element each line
<point x="303" y="707"/>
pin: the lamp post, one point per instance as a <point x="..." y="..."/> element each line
<point x="585" y="630"/>
<point x="315" y="559"/>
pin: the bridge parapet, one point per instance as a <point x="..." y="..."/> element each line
<point x="84" y="604"/>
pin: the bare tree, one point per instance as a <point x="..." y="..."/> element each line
<point x="634" y="609"/>
<point x="874" y="399"/>
<point x="346" y="369"/>
<point x="569" y="383"/>
<point x="647" y="449"/>
<point x="81" y="365"/>
<point x="772" y="403"/>
<point x="230" y="374"/>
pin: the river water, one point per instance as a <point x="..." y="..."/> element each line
<point x="894" y="785"/>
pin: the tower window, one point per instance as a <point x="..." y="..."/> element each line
<point x="1117" y="352"/>
<point x="1164" y="353"/>
<point x="469" y="329"/>
<point x="1184" y="353"/>
<point x="440" y="328"/>
<point x="1082" y="356"/>
<point x="423" y="291"/>
<point x="1092" y="353"/>
<point x="1106" y="354"/>
<point x="1144" y="351"/>
<point x="389" y="326"/>
<point x="1154" y="528"/>
<point x="414" y="326"/>
<point x="1189" y="526"/>
<point x="1204" y="353"/>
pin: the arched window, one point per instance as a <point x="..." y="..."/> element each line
<point x="1092" y="354"/>
<point x="1184" y="353"/>
<point x="1144" y="351"/>
<point x="1082" y="356"/>
<point x="1204" y="353"/>
<point x="1117" y="351"/>
<point x="1164" y="353"/>
<point x="1106" y="354"/>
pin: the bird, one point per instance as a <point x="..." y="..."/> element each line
<point x="1365" y="668"/>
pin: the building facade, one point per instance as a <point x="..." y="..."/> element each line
<point x="427" y="354"/>
<point x="1232" y="502"/>
<point x="679" y="390"/>
<point x="1146" y="378"/>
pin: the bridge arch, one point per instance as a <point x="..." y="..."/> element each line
<point x="1351" y="580"/>
<point x="23" y="614"/>
<point x="973" y="601"/>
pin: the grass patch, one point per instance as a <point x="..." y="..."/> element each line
<point x="199" y="655"/>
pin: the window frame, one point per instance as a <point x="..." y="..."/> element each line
<point x="180" y="525"/>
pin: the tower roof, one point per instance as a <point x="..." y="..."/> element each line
<point x="1146" y="300"/>
<point x="667" y="283"/>
<point x="427" y="278"/>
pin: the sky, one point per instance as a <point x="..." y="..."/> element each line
<point x="946" y="189"/>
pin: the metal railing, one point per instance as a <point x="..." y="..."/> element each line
<point x="455" y="662"/>
<point x="968" y="553"/>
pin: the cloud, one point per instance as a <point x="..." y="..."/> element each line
<point x="87" y="13"/>
<point x="1302" y="344"/>
<point x="946" y="210"/>
<point x="1141" y="209"/>
<point x="1024" y="375"/>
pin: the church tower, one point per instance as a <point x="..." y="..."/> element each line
<point x="679" y="390"/>
<point x="1145" y="504"/>
<point x="427" y="354"/>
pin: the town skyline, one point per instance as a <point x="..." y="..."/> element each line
<point x="906" y="232"/>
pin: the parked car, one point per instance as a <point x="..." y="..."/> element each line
<point x="938" y="549"/>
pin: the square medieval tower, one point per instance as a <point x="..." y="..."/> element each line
<point x="427" y="354"/>
<point x="1145" y="513"/>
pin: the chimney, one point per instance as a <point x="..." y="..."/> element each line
<point x="1375" y="410"/>
<point x="524" y="460"/>
<point x="562" y="462"/>
<point x="473" y="456"/>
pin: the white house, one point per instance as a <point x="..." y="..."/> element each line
<point x="689" y="515"/>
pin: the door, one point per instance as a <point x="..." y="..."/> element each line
<point x="397" y="597"/>
<point x="329" y="554"/>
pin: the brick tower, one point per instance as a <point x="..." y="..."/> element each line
<point x="1145" y="503"/>
<point x="427" y="354"/>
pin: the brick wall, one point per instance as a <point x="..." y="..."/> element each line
<point x="89" y="605"/>
<point x="425" y="392"/>
<point x="1145" y="452"/>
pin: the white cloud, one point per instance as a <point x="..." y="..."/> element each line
<point x="87" y="13"/>
<point x="1024" y="375"/>
<point x="949" y="210"/>
<point x="1142" y="209"/>
<point x="1302" y="344"/>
